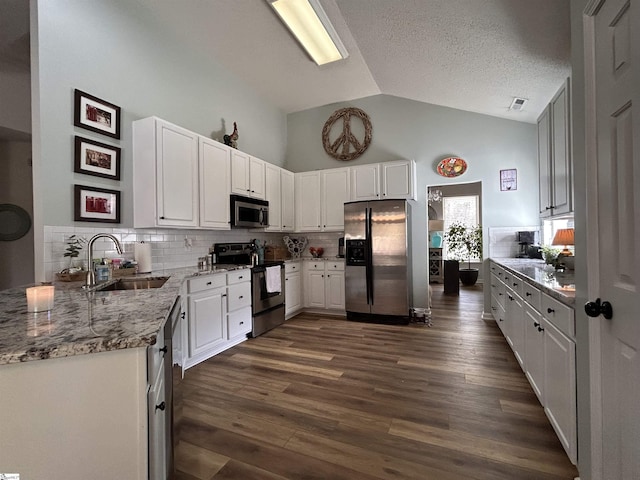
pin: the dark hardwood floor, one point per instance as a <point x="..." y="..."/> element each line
<point x="324" y="398"/>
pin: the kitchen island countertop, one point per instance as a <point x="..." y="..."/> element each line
<point x="558" y="284"/>
<point x="88" y="322"/>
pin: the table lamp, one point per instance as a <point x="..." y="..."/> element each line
<point x="564" y="236"/>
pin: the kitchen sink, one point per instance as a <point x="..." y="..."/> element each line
<point x="133" y="284"/>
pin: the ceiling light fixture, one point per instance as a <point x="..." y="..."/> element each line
<point x="310" y="25"/>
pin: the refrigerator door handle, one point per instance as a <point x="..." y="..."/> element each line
<point x="369" y="247"/>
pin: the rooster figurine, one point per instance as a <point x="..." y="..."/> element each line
<point x="232" y="140"/>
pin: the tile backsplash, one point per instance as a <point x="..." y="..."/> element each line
<point x="170" y="248"/>
<point x="503" y="242"/>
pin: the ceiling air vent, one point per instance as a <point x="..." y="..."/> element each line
<point x="518" y="104"/>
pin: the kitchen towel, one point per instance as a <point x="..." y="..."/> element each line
<point x="272" y="276"/>
<point x="142" y="253"/>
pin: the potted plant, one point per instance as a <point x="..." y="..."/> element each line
<point x="74" y="246"/>
<point x="465" y="243"/>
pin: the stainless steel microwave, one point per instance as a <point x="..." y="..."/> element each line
<point x="249" y="212"/>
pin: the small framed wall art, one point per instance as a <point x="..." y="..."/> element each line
<point x="93" y="204"/>
<point x="96" y="115"/>
<point x="508" y="180"/>
<point x="98" y="159"/>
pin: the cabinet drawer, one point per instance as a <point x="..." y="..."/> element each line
<point x="315" y="266"/>
<point x="239" y="276"/>
<point x="531" y="295"/>
<point x="337" y="266"/>
<point x="292" y="267"/>
<point x="516" y="284"/>
<point x="238" y="296"/>
<point x="206" y="282"/>
<point x="239" y="322"/>
<point x="559" y="315"/>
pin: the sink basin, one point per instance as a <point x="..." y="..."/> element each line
<point x="134" y="284"/>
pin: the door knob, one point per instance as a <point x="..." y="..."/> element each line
<point x="594" y="309"/>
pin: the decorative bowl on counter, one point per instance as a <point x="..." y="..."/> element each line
<point x="316" y="252"/>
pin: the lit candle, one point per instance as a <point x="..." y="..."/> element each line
<point x="40" y="299"/>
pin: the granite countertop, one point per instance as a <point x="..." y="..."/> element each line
<point x="88" y="322"/>
<point x="557" y="284"/>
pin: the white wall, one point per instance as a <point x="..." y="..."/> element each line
<point x="16" y="257"/>
<point x="15" y="98"/>
<point x="428" y="133"/>
<point x="113" y="50"/>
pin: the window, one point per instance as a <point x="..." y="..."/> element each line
<point x="464" y="209"/>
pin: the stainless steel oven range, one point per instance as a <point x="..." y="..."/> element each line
<point x="267" y="284"/>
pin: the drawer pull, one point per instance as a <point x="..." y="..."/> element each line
<point x="162" y="406"/>
<point x="536" y="324"/>
<point x="515" y="284"/>
<point x="240" y="277"/>
<point x="540" y="329"/>
<point x="241" y="296"/>
<point x="528" y="294"/>
<point x="208" y="283"/>
<point x="550" y="310"/>
<point x="510" y="298"/>
<point x="163" y="350"/>
<point x="241" y="323"/>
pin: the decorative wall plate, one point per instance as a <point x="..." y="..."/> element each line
<point x="15" y="222"/>
<point x="451" y="167"/>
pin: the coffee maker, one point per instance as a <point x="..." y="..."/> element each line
<point x="525" y="240"/>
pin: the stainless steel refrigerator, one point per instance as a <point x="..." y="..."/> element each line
<point x="377" y="260"/>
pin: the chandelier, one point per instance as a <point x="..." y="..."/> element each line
<point x="434" y="195"/>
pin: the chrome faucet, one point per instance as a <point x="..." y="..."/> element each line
<point x="91" y="274"/>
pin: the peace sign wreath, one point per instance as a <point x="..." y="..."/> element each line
<point x="341" y="146"/>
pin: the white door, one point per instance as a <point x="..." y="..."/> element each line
<point x="240" y="173"/>
<point x="287" y="181"/>
<point x="335" y="191"/>
<point x="273" y="189"/>
<point x="614" y="228"/>
<point x="308" y="216"/>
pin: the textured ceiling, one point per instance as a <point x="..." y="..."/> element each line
<point x="474" y="55"/>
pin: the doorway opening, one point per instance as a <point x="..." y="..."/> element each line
<point x="448" y="204"/>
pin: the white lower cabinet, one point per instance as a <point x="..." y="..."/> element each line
<point x="324" y="285"/>
<point x="218" y="314"/>
<point x="293" y="288"/>
<point x="541" y="332"/>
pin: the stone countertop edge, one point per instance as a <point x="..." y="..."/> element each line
<point x="533" y="272"/>
<point x="88" y="322"/>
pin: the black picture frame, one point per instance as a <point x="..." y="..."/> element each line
<point x="97" y="159"/>
<point x="94" y="204"/>
<point x="95" y="114"/>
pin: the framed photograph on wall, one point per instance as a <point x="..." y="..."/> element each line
<point x="93" y="204"/>
<point x="96" y="115"/>
<point x="98" y="159"/>
<point x="508" y="180"/>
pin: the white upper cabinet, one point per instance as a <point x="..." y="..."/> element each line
<point x="215" y="182"/>
<point x="554" y="156"/>
<point x="165" y="175"/>
<point x="308" y="211"/>
<point x="398" y="179"/>
<point x="386" y="180"/>
<point x="335" y="191"/>
<point x="287" y="182"/>
<point x="247" y="175"/>
<point x="274" y="196"/>
<point x="365" y="182"/>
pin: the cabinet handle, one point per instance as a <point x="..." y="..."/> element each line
<point x="536" y="324"/>
<point x="528" y="294"/>
<point x="515" y="284"/>
<point x="510" y="298"/>
<point x="223" y="295"/>
<point x="548" y="208"/>
<point x="183" y="315"/>
<point x="550" y="310"/>
<point x="499" y="293"/>
<point x="163" y="350"/>
<point x="540" y="329"/>
<point x="161" y="218"/>
<point x="208" y="283"/>
<point x="494" y="308"/>
<point x="162" y="406"/>
<point x="501" y="319"/>
<point x="241" y="296"/>
<point x="286" y="279"/>
<point x="241" y="323"/>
